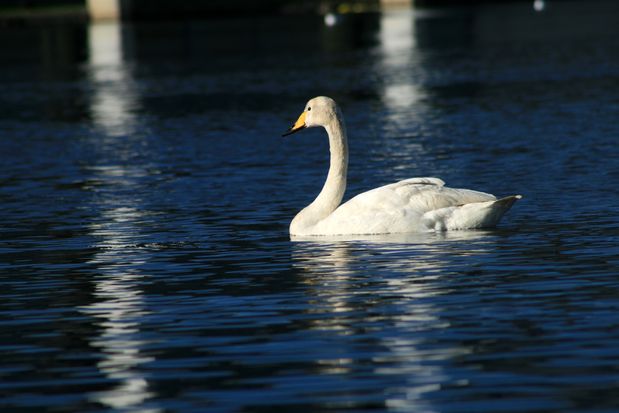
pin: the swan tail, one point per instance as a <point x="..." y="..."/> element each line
<point x="469" y="216"/>
<point x="505" y="203"/>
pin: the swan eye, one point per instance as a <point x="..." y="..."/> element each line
<point x="309" y="108"/>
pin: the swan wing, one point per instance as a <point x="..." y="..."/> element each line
<point x="397" y="207"/>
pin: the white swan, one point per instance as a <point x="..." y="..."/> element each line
<point x="411" y="205"/>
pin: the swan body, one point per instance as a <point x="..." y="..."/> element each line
<point x="411" y="205"/>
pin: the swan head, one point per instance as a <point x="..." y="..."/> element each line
<point x="319" y="111"/>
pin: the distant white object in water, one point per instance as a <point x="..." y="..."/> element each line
<point x="539" y="5"/>
<point x="330" y="19"/>
<point x="411" y="205"/>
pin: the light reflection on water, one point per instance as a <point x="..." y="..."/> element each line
<point x="118" y="303"/>
<point x="145" y="253"/>
<point x="399" y="50"/>
<point x="114" y="99"/>
<point x="119" y="309"/>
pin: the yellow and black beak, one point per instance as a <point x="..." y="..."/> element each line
<point x="298" y="125"/>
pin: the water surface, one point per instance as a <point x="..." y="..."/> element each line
<point x="146" y="195"/>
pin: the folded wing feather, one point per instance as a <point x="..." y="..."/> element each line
<point x="397" y="207"/>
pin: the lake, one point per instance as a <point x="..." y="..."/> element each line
<point x="146" y="194"/>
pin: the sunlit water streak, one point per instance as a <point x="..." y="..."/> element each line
<point x="118" y="304"/>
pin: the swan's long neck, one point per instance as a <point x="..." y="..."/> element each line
<point x="333" y="190"/>
<point x="335" y="185"/>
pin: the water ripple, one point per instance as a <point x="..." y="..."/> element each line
<point x="145" y="259"/>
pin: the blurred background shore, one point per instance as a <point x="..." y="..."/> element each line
<point x="16" y="11"/>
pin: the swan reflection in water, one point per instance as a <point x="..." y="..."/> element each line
<point x="386" y="290"/>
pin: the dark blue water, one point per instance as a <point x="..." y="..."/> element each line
<point x="146" y="194"/>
